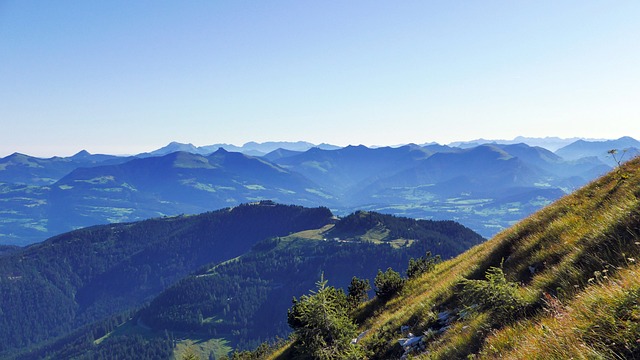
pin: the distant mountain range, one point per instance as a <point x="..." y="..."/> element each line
<point x="23" y="169"/>
<point x="549" y="143"/>
<point x="626" y="147"/>
<point x="486" y="187"/>
<point x="250" y="148"/>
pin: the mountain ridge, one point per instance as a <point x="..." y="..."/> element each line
<point x="600" y="149"/>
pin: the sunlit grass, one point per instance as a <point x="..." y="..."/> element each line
<point x="203" y="348"/>
<point x="281" y="353"/>
<point x="601" y="322"/>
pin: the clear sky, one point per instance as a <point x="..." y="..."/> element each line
<point x="130" y="76"/>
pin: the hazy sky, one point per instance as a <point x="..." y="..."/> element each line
<point x="131" y="76"/>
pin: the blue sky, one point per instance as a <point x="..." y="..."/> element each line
<point x="125" y="77"/>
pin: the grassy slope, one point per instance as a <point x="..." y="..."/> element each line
<point x="582" y="299"/>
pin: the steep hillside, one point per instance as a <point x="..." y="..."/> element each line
<point x="563" y="283"/>
<point x="49" y="289"/>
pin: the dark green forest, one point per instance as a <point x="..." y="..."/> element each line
<point x="52" y="288"/>
<point x="244" y="300"/>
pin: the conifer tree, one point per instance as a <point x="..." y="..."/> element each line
<point x="322" y="324"/>
<point x="388" y="283"/>
<point x="357" y="291"/>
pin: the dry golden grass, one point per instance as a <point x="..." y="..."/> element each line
<point x="281" y="353"/>
<point x="603" y="321"/>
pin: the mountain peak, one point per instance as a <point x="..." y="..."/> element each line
<point x="17" y="155"/>
<point x="173" y="147"/>
<point x="81" y="154"/>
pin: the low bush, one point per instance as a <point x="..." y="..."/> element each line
<point x="494" y="294"/>
<point x="422" y="265"/>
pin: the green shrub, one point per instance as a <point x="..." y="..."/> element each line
<point x="495" y="294"/>
<point x="422" y="265"/>
<point x="357" y="291"/>
<point x="388" y="283"/>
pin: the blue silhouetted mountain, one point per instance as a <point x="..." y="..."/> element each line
<point x="28" y="170"/>
<point x="550" y="143"/>
<point x="485" y="169"/>
<point x="583" y="168"/>
<point x="176" y="183"/>
<point x="280" y="153"/>
<point x="582" y="148"/>
<point x="175" y="147"/>
<point x="340" y="170"/>
<point x="251" y="148"/>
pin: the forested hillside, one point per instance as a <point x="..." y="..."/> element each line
<point x="244" y="300"/>
<point x="49" y="289"/>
